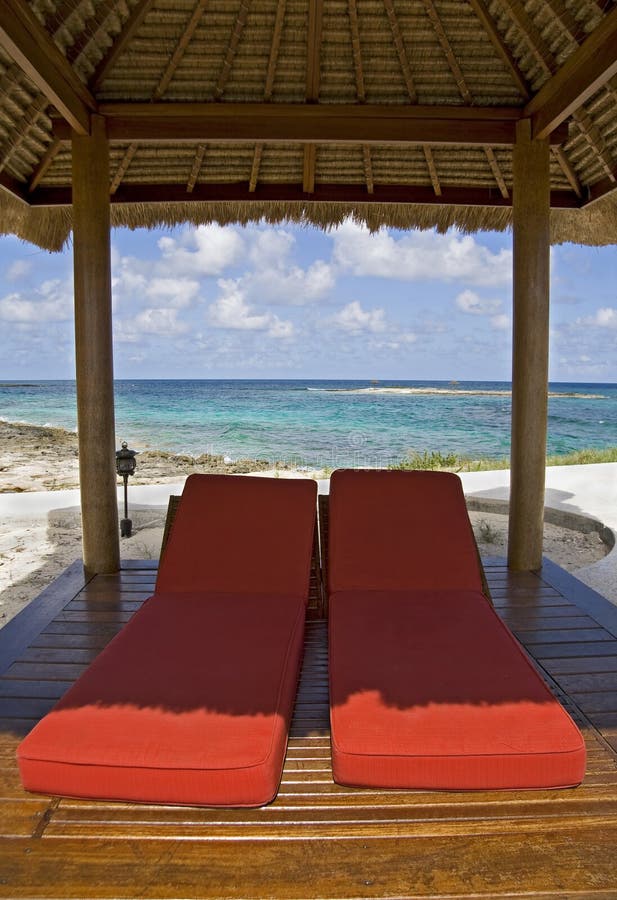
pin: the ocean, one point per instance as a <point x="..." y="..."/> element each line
<point x="323" y="423"/>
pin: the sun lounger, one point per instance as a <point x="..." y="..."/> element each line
<point x="191" y="702"/>
<point x="428" y="688"/>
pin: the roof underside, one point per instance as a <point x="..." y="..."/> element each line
<point x="399" y="112"/>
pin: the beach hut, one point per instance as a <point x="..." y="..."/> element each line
<point x="479" y="114"/>
<point x="409" y="113"/>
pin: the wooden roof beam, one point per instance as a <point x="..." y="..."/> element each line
<point x="254" y="176"/>
<point x="324" y="192"/>
<point x="446" y="46"/>
<point x="583" y="74"/>
<point x="196" y="168"/>
<point x="131" y="26"/>
<point x="180" y="49"/>
<point x="232" y="48"/>
<point x="432" y="170"/>
<point x="120" y="172"/>
<point x="275" y="47"/>
<point x="368" y="169"/>
<point x="39" y="173"/>
<point x="27" y="42"/>
<point x="481" y="11"/>
<point x="568" y="171"/>
<point x="357" y="50"/>
<point x="313" y="81"/>
<point x="496" y="170"/>
<point x="399" y="43"/>
<point x="310" y="123"/>
<point x="538" y="46"/>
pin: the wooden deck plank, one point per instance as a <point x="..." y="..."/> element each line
<point x="425" y="866"/>
<point x="319" y="839"/>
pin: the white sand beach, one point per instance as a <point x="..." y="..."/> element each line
<point x="40" y="518"/>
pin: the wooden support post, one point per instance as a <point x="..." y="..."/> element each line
<point x="531" y="245"/>
<point x="93" y="350"/>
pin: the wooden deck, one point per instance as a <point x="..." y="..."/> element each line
<point x="317" y="839"/>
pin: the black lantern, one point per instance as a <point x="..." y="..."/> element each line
<point x="125" y="466"/>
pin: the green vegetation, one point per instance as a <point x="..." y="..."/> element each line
<point x="452" y="462"/>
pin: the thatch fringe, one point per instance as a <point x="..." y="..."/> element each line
<point x="50" y="227"/>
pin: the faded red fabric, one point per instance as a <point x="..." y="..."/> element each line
<point x="429" y="689"/>
<point x="191" y="702"/>
<point x="388" y="531"/>
<point x="241" y="534"/>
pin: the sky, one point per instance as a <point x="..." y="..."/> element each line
<point x="285" y="301"/>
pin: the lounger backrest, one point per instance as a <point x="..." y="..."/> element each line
<point x="394" y="530"/>
<point x="238" y="534"/>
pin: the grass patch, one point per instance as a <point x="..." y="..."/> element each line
<point x="452" y="462"/>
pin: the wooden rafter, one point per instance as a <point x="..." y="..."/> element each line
<point x="584" y="72"/>
<point x="313" y="50"/>
<point x="310" y="123"/>
<point x="274" y="48"/>
<point x="595" y="141"/>
<point x="481" y="11"/>
<point x="18" y="134"/>
<point x="254" y="176"/>
<point x="26" y="41"/>
<point x="567" y="170"/>
<point x="447" y="49"/>
<point x="601" y="188"/>
<point x="61" y="14"/>
<point x="91" y="27"/>
<point x="566" y="20"/>
<point x="432" y="170"/>
<point x="120" y="172"/>
<point x="368" y="169"/>
<point x="313" y="80"/>
<point x="399" y="43"/>
<point x="43" y="166"/>
<point x="497" y="173"/>
<point x="232" y="48"/>
<point x="357" y="50"/>
<point x="308" y="168"/>
<point x="180" y="49"/>
<point x="536" y="42"/>
<point x="129" y="29"/>
<point x="196" y="168"/>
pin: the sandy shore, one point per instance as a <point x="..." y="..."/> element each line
<point x="36" y="546"/>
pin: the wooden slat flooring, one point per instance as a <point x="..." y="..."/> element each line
<point x="318" y="839"/>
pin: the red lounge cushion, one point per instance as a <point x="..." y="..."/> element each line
<point x="241" y="534"/>
<point x="189" y="704"/>
<point x="430" y="690"/>
<point x="384" y="530"/>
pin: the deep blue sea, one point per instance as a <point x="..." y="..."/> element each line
<point x="317" y="423"/>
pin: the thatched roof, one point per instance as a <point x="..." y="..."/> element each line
<point x="398" y="112"/>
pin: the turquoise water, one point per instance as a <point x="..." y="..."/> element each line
<point x="320" y="423"/>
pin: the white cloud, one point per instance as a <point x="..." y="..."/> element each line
<point x="606" y="317"/>
<point x="205" y="250"/>
<point x="354" y="319"/>
<point x="231" y="311"/>
<point x="172" y="292"/>
<point x="470" y="302"/>
<point x="161" y="321"/>
<point x="292" y="286"/>
<point x="270" y="247"/>
<point x="18" y="269"/>
<point x="501" y="322"/>
<point x="53" y="303"/>
<point x="419" y="256"/>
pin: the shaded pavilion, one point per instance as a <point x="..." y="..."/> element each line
<point x="481" y="114"/>
<point x="415" y="114"/>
